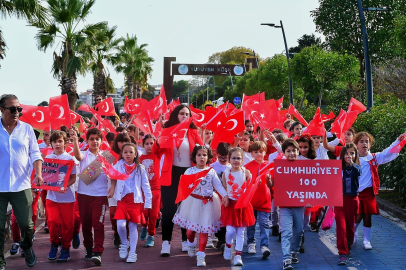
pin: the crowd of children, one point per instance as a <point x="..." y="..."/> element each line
<point x="154" y="178"/>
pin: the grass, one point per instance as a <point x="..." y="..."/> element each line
<point x="394" y="197"/>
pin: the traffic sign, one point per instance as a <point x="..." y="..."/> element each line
<point x="237" y="101"/>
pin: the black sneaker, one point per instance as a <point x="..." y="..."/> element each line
<point x="89" y="254"/>
<point x="117" y="241"/>
<point x="301" y="249"/>
<point x="275" y="230"/>
<point x="158" y="220"/>
<point x="46" y="229"/>
<point x="96" y="259"/>
<point x="295" y="258"/>
<point x="15" y="249"/>
<point x="75" y="241"/>
<point x="30" y="257"/>
<point x="2" y="267"/>
<point x="313" y="227"/>
<point x="287" y="264"/>
<point x="280" y="237"/>
<point x="342" y="260"/>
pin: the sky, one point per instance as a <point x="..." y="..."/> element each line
<point x="189" y="30"/>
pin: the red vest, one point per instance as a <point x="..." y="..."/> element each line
<point x="373" y="163"/>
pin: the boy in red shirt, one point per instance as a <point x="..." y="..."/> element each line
<point x="261" y="202"/>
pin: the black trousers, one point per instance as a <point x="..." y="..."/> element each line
<point x="168" y="197"/>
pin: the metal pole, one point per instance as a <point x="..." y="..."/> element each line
<point x="231" y="79"/>
<point x="214" y="89"/>
<point x="368" y="74"/>
<point x="188" y="92"/>
<point x="207" y="96"/>
<point x="287" y="58"/>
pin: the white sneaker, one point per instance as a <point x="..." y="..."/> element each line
<point x="355" y="237"/>
<point x="185" y="246"/>
<point x="123" y="251"/>
<point x="227" y="253"/>
<point x="251" y="248"/>
<point x="367" y="246"/>
<point x="132" y="257"/>
<point x="238" y="260"/>
<point x="200" y="259"/>
<point x="265" y="252"/>
<point x="166" y="249"/>
<point x="209" y="243"/>
<point x="191" y="251"/>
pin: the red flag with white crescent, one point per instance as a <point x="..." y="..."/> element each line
<point x="59" y="112"/>
<point x="36" y="116"/>
<point x="173" y="136"/>
<point x="188" y="183"/>
<point x="106" y="107"/>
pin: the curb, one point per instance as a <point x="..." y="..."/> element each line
<point x="391" y="208"/>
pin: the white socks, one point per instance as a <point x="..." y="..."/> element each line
<point x="122" y="232"/>
<point x="367" y="234"/>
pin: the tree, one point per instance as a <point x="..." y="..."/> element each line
<point x="233" y="56"/>
<point x="44" y="103"/>
<point x="31" y="10"/>
<point x="179" y="88"/>
<point x="66" y="15"/>
<point x="148" y="93"/>
<point x="390" y="78"/>
<point x="134" y="62"/>
<point x="331" y="67"/>
<point x="305" y="41"/>
<point x="99" y="51"/>
<point x="399" y="34"/>
<point x="339" y="22"/>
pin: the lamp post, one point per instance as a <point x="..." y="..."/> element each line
<point x="231" y="79"/>
<point x="252" y="54"/>
<point x="287" y="57"/>
<point x="368" y="73"/>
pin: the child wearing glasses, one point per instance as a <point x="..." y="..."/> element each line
<point x="235" y="220"/>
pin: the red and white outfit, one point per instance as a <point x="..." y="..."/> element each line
<point x="152" y="163"/>
<point x="201" y="211"/>
<point x="60" y="210"/>
<point x="92" y="202"/>
<point x="236" y="220"/>
<point x="130" y="203"/>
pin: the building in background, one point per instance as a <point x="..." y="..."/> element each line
<point x="86" y="97"/>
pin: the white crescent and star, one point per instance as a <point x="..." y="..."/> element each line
<point x="62" y="111"/>
<point x="42" y="116"/>
<point x="107" y="107"/>
<point x="234" y="122"/>
<point x="160" y="101"/>
<point x="202" y="117"/>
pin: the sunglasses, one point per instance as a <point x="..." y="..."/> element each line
<point x="14" y="109"/>
<point x="98" y="99"/>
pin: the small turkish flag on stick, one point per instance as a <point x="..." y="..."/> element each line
<point x="188" y="183"/>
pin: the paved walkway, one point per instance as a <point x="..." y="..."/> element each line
<point x="388" y="241"/>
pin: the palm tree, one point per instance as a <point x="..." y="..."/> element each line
<point x="102" y="45"/>
<point x="66" y="15"/>
<point x="134" y="62"/>
<point x="31" y="10"/>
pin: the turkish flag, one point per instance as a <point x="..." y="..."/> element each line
<point x="233" y="125"/>
<point x="46" y="151"/>
<point x="104" y="123"/>
<point x="279" y="103"/>
<point x="252" y="102"/>
<point x="173" y="104"/>
<point x="109" y="170"/>
<point x="396" y="149"/>
<point x="248" y="190"/>
<point x="327" y="117"/>
<point x="142" y="123"/>
<point x="350" y="118"/>
<point x="355" y="105"/>
<point x="134" y="106"/>
<point x="316" y="126"/>
<point x="227" y="107"/>
<point x="173" y="136"/>
<point x="36" y="116"/>
<point x="198" y="116"/>
<point x="85" y="107"/>
<point x="336" y="125"/>
<point x="82" y="125"/>
<point x="210" y="112"/>
<point x="294" y="112"/>
<point x="216" y="121"/>
<point x="74" y="117"/>
<point x="157" y="105"/>
<point x="188" y="183"/>
<point x="106" y="107"/>
<point x="59" y="112"/>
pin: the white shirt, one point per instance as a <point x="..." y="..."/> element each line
<point x="138" y="180"/>
<point x="322" y="152"/>
<point x="42" y="145"/>
<point x="69" y="195"/>
<point x="98" y="187"/>
<point x="18" y="152"/>
<point x="219" y="168"/>
<point x="247" y="158"/>
<point x="181" y="156"/>
<point x="208" y="184"/>
<point x="365" y="180"/>
<point x="239" y="179"/>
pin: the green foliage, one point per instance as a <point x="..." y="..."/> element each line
<point x="305" y="41"/>
<point x="386" y="122"/>
<point x="44" y="103"/>
<point x="179" y="88"/>
<point x="148" y="93"/>
<point x="339" y="22"/>
<point x="400" y="34"/>
<point x="233" y="56"/>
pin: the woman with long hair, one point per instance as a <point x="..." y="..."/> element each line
<point x="176" y="161"/>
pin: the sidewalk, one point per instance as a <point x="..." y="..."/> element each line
<point x="388" y="241"/>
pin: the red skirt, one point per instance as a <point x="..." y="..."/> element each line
<point x="243" y="217"/>
<point x="129" y="210"/>
<point x="367" y="202"/>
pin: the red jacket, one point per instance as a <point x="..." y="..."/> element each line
<point x="262" y="197"/>
<point x="166" y="173"/>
